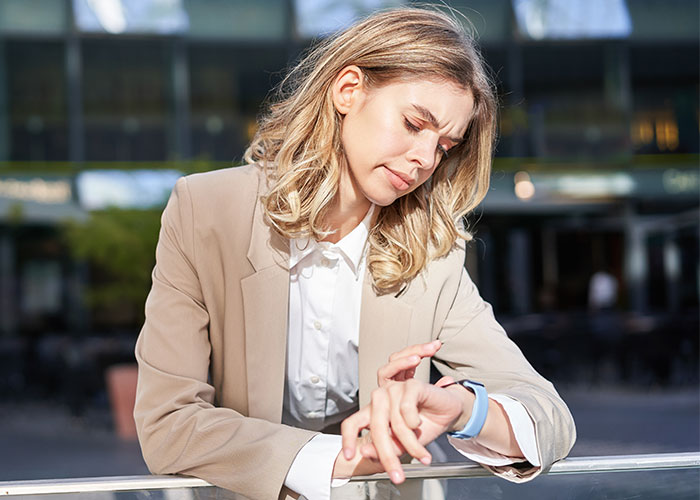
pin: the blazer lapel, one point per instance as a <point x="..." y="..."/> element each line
<point x="265" y="303"/>
<point x="384" y="329"/>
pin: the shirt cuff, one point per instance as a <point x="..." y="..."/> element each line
<point x="311" y="472"/>
<point x="523" y="429"/>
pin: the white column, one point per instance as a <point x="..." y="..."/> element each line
<point x="672" y="271"/>
<point x="636" y="262"/>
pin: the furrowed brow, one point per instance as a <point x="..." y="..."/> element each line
<point x="430" y="118"/>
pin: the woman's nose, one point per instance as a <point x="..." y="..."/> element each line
<point x="424" y="152"/>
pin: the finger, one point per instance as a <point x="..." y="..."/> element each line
<point x="422" y="350"/>
<point x="381" y="437"/>
<point x="351" y="427"/>
<point x="445" y="381"/>
<point x="408" y="374"/>
<point x="404" y="403"/>
<point x="394" y="369"/>
<point x="368" y="450"/>
<point x="409" y="404"/>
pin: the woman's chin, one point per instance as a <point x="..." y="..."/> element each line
<point x="382" y="198"/>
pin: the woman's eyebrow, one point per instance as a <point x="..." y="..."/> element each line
<point x="430" y="118"/>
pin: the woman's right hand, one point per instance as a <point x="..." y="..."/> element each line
<point x="402" y="364"/>
<point x="345" y="468"/>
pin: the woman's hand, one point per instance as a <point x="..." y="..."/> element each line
<point x="404" y="417"/>
<point x="357" y="465"/>
<point x="402" y="364"/>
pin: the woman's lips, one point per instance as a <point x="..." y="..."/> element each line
<point x="396" y="180"/>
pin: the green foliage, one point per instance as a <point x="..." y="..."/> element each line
<point x="119" y="246"/>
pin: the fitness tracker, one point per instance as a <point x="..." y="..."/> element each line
<point x="479" y="410"/>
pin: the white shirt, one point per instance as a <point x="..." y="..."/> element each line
<point x="325" y="294"/>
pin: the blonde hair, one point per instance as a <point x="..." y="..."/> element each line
<point x="298" y="140"/>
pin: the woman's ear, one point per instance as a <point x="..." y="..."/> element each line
<point x="347" y="88"/>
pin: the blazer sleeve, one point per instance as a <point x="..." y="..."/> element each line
<point x="476" y="347"/>
<point x="179" y="428"/>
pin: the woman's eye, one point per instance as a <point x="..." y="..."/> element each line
<point x="410" y="126"/>
<point x="443" y="151"/>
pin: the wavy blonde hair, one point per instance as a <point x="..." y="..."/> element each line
<point x="298" y="142"/>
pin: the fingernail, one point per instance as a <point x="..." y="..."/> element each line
<point x="395" y="476"/>
<point x="415" y="359"/>
<point x="437" y="343"/>
<point x="347" y="453"/>
<point x="425" y="460"/>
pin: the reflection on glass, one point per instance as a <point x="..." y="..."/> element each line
<point x="658" y="485"/>
<point x="316" y="17"/>
<point x="573" y="18"/>
<point x="99" y="189"/>
<point x="130" y="16"/>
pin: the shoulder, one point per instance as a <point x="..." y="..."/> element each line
<point x="220" y="190"/>
<point x="235" y="180"/>
<point x="223" y="199"/>
<point x="447" y="267"/>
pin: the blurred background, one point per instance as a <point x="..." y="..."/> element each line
<point x="587" y="244"/>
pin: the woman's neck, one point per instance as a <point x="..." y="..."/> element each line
<point x="349" y="208"/>
<point x="342" y="220"/>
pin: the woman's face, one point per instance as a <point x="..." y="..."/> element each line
<point x="394" y="136"/>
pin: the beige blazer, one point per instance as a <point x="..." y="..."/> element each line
<point x="211" y="353"/>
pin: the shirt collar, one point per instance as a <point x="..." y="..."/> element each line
<point x="352" y="246"/>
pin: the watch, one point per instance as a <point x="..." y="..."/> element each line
<point x="479" y="410"/>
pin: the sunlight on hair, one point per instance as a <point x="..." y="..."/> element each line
<point x="298" y="142"/>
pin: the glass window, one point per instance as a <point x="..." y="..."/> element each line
<point x="130" y="16"/>
<point x="238" y="19"/>
<point x="572" y="19"/>
<point x="33" y="16"/>
<point x="665" y="98"/>
<point x="490" y="20"/>
<point x="320" y="17"/>
<point x="126" y="95"/>
<point x="661" y="20"/>
<point x="227" y="87"/>
<point x="36" y="89"/>
<point x="567" y="113"/>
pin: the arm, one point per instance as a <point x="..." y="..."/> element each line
<point x="475" y="347"/>
<point x="498" y="440"/>
<point x="180" y="430"/>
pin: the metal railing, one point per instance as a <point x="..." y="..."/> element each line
<point x="574" y="465"/>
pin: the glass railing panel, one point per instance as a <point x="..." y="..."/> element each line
<point x="662" y="476"/>
<point x="191" y="493"/>
<point x="656" y="485"/>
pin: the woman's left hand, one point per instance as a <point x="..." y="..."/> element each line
<point x="404" y="417"/>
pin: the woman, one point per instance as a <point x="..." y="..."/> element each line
<point x="281" y="288"/>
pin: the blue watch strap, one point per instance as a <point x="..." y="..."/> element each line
<point x="479" y="410"/>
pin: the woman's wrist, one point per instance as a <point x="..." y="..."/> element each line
<point x="467" y="399"/>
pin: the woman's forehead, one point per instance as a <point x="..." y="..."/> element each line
<point x="442" y="103"/>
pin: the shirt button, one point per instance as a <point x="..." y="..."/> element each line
<point x="315" y="379"/>
<point x="325" y="262"/>
<point x="317" y="325"/>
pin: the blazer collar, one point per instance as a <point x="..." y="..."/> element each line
<point x="265" y="305"/>
<point x="384" y="323"/>
<point x="267" y="248"/>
